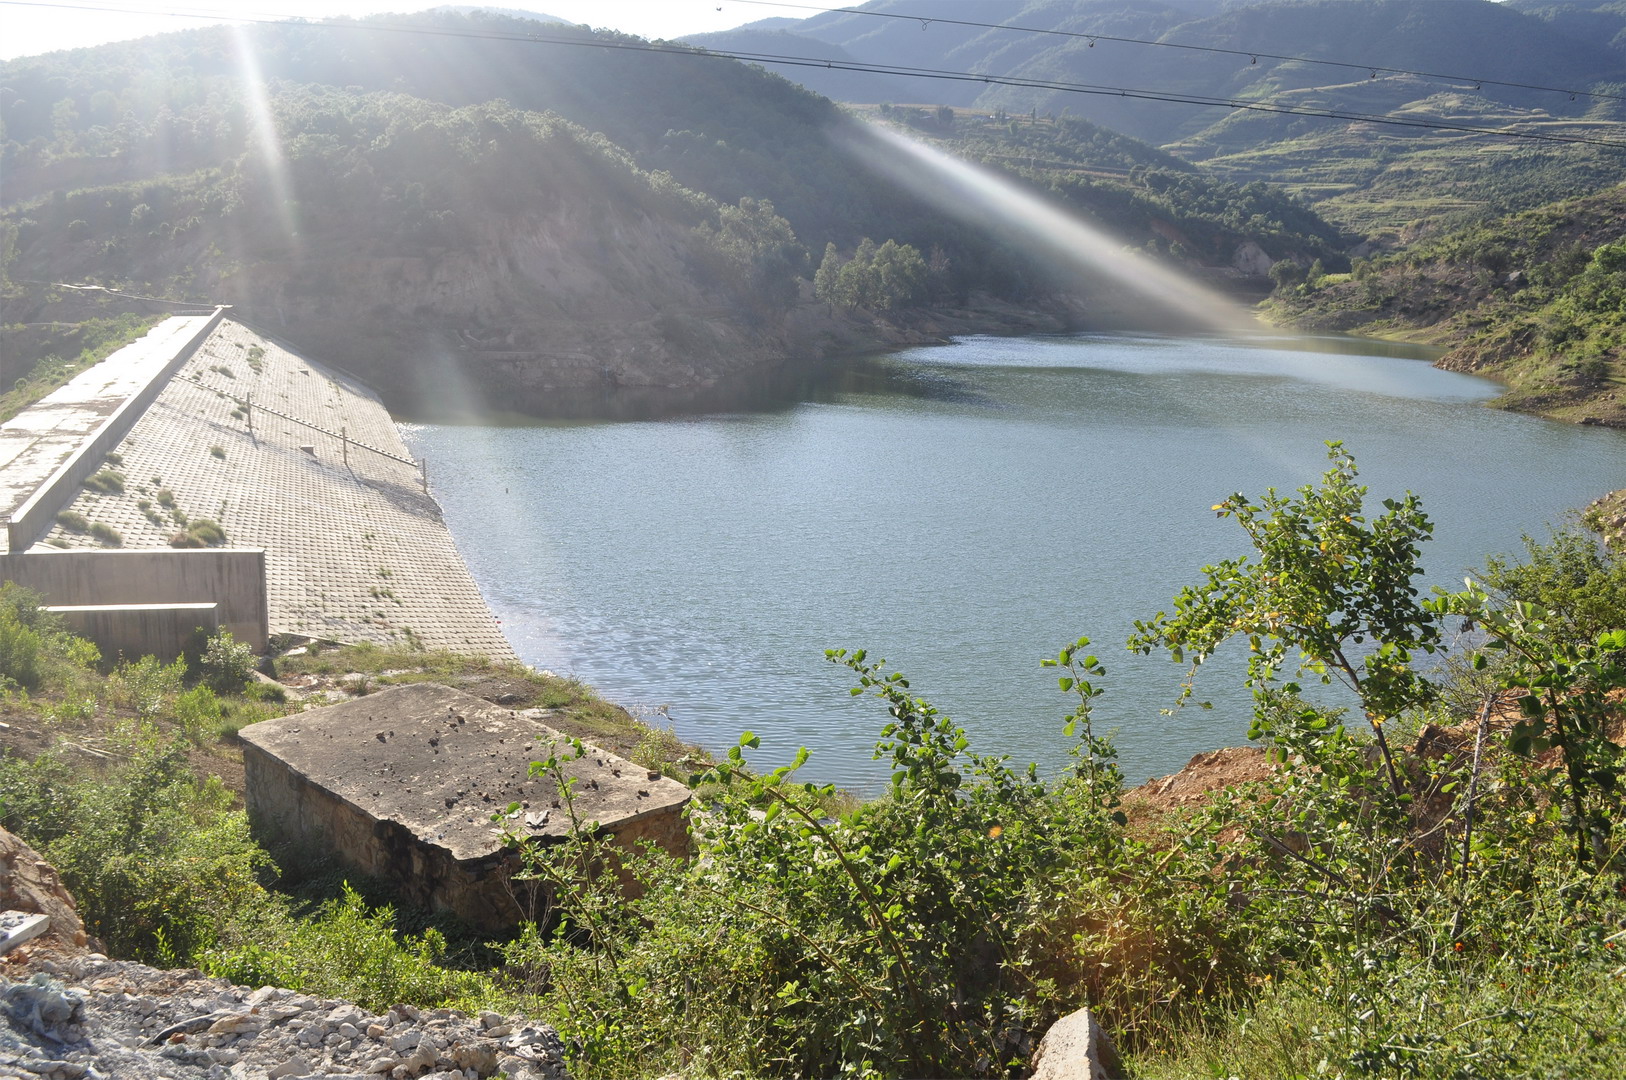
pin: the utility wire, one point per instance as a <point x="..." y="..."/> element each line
<point x="634" y="44"/>
<point x="1253" y="55"/>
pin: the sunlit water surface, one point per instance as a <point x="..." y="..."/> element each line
<point x="962" y="511"/>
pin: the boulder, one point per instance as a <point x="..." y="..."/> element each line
<point x="30" y="884"/>
<point x="1075" y="1048"/>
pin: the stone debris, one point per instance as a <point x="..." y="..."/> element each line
<point x="91" y="1018"/>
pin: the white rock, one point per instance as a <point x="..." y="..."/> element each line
<point x="297" y="1065"/>
<point x="1075" y="1048"/>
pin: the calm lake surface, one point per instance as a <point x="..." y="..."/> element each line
<point x="963" y="511"/>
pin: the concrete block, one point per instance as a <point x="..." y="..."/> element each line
<point x="403" y="784"/>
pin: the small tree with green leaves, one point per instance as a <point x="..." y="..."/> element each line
<point x="1323" y="582"/>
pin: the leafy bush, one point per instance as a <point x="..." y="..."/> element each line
<point x="199" y="713"/>
<point x="159" y="862"/>
<point x="226" y="664"/>
<point x="20" y="643"/>
<point x="146" y="686"/>
<point x="887" y="937"/>
<point x="1572" y="576"/>
<point x="344" y="950"/>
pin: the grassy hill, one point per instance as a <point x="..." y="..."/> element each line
<point x="1537" y="299"/>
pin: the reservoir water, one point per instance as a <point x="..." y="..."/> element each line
<point x="962" y="511"/>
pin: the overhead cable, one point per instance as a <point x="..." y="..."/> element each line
<point x="634" y="44"/>
<point x="1254" y="55"/>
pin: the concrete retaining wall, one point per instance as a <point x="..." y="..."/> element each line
<point x="34" y="516"/>
<point x="136" y="630"/>
<point x="232" y="578"/>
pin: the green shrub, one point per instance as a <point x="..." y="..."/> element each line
<point x="20" y="643"/>
<point x="346" y="951"/>
<point x="270" y="693"/>
<point x="198" y="712"/>
<point x="146" y="686"/>
<point x="226" y="664"/>
<point x="1581" y="584"/>
<point x="159" y="862"/>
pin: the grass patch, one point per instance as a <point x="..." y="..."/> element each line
<point x="108" y="481"/>
<point x="197" y="533"/>
<point x="73" y="521"/>
<point x="109" y="536"/>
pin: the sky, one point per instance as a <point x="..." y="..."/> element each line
<point x="30" y="28"/>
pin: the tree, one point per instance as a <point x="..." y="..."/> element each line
<point x="825" y="277"/>
<point x="1324" y="583"/>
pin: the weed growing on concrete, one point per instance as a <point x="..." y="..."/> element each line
<point x="165" y="497"/>
<point x="73" y="521"/>
<point x="208" y="531"/>
<point x="218" y="452"/>
<point x="115" y="458"/>
<point x="109" y="481"/>
<point x="109" y="536"/>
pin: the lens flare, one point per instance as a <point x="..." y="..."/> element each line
<point x="267" y="144"/>
<point x="982" y="198"/>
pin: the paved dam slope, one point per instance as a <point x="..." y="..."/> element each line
<point x="305" y="462"/>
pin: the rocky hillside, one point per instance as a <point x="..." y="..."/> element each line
<point x="1369" y="178"/>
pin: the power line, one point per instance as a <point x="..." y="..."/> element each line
<point x="1253" y="55"/>
<point x="633" y="44"/>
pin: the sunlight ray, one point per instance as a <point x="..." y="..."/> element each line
<point x="979" y="196"/>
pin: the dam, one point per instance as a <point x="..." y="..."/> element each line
<point x="207" y="464"/>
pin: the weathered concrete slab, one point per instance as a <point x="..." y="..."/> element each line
<point x="403" y="784"/>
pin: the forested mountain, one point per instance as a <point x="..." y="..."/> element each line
<point x="1368" y="177"/>
<point x="540" y="206"/>
<point x="1588" y="22"/>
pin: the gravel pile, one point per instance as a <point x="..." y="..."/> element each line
<point x="90" y="1018"/>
